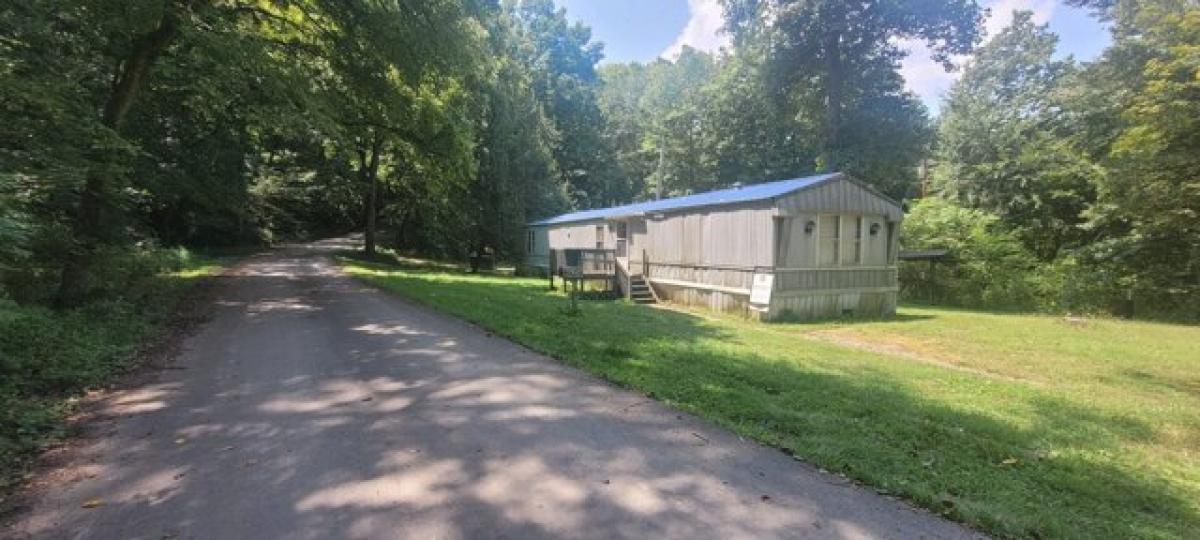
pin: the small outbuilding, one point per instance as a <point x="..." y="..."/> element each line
<point x="804" y="248"/>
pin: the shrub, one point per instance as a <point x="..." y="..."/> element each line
<point x="116" y="271"/>
<point x="46" y="356"/>
<point x="990" y="266"/>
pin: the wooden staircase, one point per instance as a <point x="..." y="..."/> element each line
<point x="640" y="291"/>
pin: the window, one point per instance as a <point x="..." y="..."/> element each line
<point x="599" y="236"/>
<point x="852" y="254"/>
<point x="530" y="242"/>
<point x="829" y="244"/>
<point x="891" y="256"/>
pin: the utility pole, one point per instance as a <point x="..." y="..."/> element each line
<point x="658" y="184"/>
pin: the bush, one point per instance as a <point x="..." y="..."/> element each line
<point x="990" y="266"/>
<point x="116" y="271"/>
<point x="47" y="356"/>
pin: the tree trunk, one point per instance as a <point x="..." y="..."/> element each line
<point x="834" y="79"/>
<point x="372" y="172"/>
<point x="90" y="223"/>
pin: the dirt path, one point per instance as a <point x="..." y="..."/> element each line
<point x="312" y="406"/>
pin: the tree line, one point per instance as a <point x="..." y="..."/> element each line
<point x="1088" y="174"/>
<point x="125" y="126"/>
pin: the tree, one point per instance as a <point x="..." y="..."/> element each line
<point x="754" y="133"/>
<point x="71" y="142"/>
<point x="991" y="268"/>
<point x="622" y="89"/>
<point x="1148" y="202"/>
<point x="1003" y="146"/>
<point x="517" y="174"/>
<point x="157" y="31"/>
<point x="563" y="57"/>
<point x="674" y="105"/>
<point x="838" y="62"/>
<point x="655" y="118"/>
<point x="394" y="71"/>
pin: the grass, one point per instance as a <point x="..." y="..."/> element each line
<point x="48" y="358"/>
<point x="1020" y="426"/>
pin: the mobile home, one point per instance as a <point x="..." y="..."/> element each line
<point x="808" y="247"/>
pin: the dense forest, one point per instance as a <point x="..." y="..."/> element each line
<point x="128" y="127"/>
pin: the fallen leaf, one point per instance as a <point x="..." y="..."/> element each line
<point x="92" y="503"/>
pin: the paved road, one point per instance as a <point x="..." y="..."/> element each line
<point x="311" y="406"/>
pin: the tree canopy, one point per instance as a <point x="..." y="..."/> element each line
<point x="443" y="126"/>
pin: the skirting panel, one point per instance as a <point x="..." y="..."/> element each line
<point x="716" y="300"/>
<point x="785" y="306"/>
<point x="818" y="306"/>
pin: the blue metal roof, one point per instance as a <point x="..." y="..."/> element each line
<point x="754" y="192"/>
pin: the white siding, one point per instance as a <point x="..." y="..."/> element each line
<point x="723" y="236"/>
<point x="840" y="196"/>
<point x="714" y="249"/>
<point x="798" y="249"/>
<point x="580" y="235"/>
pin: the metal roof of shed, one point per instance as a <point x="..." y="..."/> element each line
<point x="750" y="193"/>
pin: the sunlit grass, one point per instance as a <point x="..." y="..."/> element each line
<point x="202" y="269"/>
<point x="1018" y="425"/>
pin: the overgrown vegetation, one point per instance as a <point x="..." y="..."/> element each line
<point x="1022" y="426"/>
<point x="48" y="357"/>
<point x="1093" y="167"/>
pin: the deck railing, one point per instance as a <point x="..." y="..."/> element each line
<point x="585" y="263"/>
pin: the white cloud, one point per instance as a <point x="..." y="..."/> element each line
<point x="929" y="80"/>
<point x="702" y="31"/>
<point x="1002" y="11"/>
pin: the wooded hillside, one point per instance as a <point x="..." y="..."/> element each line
<point x="127" y="126"/>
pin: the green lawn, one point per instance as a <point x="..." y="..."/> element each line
<point x="1018" y="425"/>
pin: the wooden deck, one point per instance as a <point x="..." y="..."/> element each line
<point x="581" y="265"/>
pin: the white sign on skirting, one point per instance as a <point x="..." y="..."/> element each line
<point x="760" y="291"/>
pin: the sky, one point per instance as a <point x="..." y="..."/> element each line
<point x="642" y="30"/>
